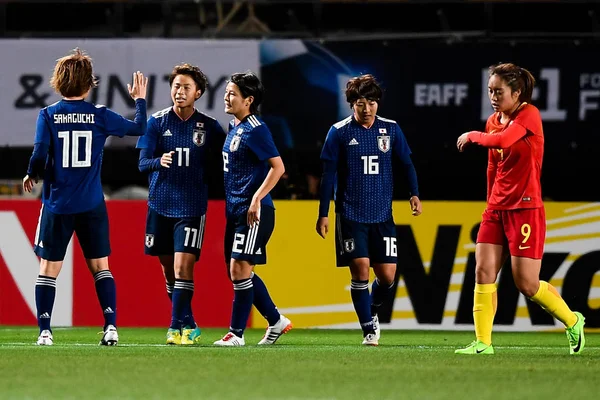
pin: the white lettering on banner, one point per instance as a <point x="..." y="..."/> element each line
<point x="589" y="96"/>
<point x="23" y="265"/>
<point x="25" y="75"/>
<point x="440" y="94"/>
<point x="552" y="112"/>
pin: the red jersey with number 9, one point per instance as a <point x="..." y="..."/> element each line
<point x="514" y="173"/>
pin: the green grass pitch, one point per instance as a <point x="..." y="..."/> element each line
<point x="304" y="364"/>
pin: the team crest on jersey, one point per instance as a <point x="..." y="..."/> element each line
<point x="199" y="137"/>
<point x="349" y="245"/>
<point x="384" y="143"/>
<point x="235" y="143"/>
<point x="149" y="240"/>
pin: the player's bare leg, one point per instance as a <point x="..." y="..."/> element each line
<point x="359" y="290"/>
<point x="240" y="273"/>
<point x="526" y="272"/>
<point x="45" y="292"/>
<point x="385" y="275"/>
<point x="107" y="296"/>
<point x="489" y="259"/>
<point x="167" y="262"/>
<point x="182" y="297"/>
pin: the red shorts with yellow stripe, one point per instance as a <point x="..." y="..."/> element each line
<point x="522" y="230"/>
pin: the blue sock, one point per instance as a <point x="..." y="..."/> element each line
<point x="243" y="296"/>
<point x="182" y="298"/>
<point x="45" y="291"/>
<point x="107" y="295"/>
<point x="379" y="293"/>
<point x="170" y="290"/>
<point x="362" y="304"/>
<point x="263" y="302"/>
<point x="188" y="316"/>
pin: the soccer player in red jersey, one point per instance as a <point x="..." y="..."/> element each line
<point x="514" y="220"/>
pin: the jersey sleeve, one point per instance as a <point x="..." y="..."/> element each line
<point x="150" y="138"/>
<point x="260" y="141"/>
<point x="331" y="147"/>
<point x="529" y="118"/>
<point x="117" y="125"/>
<point x="400" y="144"/>
<point x="42" y="130"/>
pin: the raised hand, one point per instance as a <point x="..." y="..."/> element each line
<point x="137" y="90"/>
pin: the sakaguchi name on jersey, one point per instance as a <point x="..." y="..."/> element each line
<point x="74" y="118"/>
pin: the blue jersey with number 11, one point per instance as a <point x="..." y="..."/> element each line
<point x="75" y="132"/>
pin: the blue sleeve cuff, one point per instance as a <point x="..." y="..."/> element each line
<point x="147" y="163"/>
<point x="37" y="162"/>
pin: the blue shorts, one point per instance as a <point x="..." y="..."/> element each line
<point x="55" y="231"/>
<point x="375" y="241"/>
<point x="167" y="235"/>
<point x="249" y="243"/>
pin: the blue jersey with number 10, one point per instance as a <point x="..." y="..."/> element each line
<point x="75" y="132"/>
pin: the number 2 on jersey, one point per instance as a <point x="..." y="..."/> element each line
<point x="225" y="161"/>
<point x="72" y="159"/>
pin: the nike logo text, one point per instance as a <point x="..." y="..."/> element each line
<point x="524" y="247"/>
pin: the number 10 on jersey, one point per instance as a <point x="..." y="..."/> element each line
<point x="72" y="159"/>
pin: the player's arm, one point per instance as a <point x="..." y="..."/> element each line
<point x="329" y="158"/>
<point x="119" y="126"/>
<point x="491" y="172"/>
<point x="502" y="140"/>
<point x="262" y="145"/>
<point x="41" y="146"/>
<point x="147" y="145"/>
<point x="402" y="151"/>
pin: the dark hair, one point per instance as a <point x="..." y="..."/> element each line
<point x="193" y="72"/>
<point x="249" y="85"/>
<point x="363" y="86"/>
<point x="516" y="78"/>
<point x="73" y="75"/>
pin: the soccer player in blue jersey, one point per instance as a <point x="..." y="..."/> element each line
<point x="359" y="149"/>
<point x="252" y="167"/>
<point x="174" y="151"/>
<point x="67" y="154"/>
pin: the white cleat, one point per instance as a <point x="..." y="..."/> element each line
<point x="370" y="340"/>
<point x="45" y="338"/>
<point x="110" y="336"/>
<point x="230" y="339"/>
<point x="376" y="327"/>
<point x="274" y="332"/>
